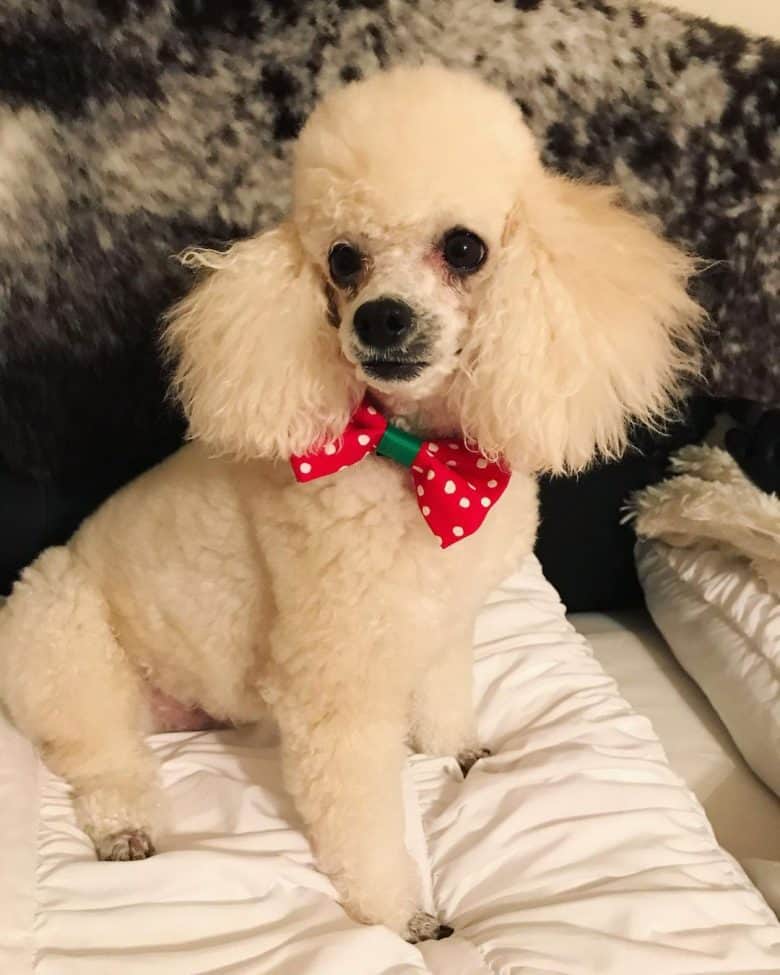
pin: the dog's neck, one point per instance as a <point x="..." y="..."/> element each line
<point x="426" y="417"/>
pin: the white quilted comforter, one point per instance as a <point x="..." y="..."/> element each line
<point x="574" y="849"/>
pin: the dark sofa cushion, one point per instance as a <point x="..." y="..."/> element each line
<point x="585" y="550"/>
<point x="23" y="522"/>
<point x="755" y="445"/>
<point x="35" y="514"/>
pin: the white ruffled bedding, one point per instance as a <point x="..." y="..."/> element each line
<point x="574" y="849"/>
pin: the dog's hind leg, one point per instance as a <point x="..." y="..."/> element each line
<point x="70" y="688"/>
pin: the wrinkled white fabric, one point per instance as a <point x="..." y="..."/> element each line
<point x="698" y="745"/>
<point x="723" y="625"/>
<point x="573" y="849"/>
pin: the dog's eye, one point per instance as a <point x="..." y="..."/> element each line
<point x="345" y="263"/>
<point x="463" y="251"/>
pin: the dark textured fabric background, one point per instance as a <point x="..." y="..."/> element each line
<point x="131" y="129"/>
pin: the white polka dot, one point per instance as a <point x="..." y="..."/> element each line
<point x="452" y="463"/>
<point x="482" y="463"/>
<point x="433" y="447"/>
<point x="364" y="440"/>
<point x="431" y="475"/>
<point x="416" y="468"/>
<point x="485" y="502"/>
<point x="453" y="446"/>
<point x="305" y="468"/>
<point x="343" y="467"/>
<point x="420" y="490"/>
<point x="330" y="449"/>
<point x="464" y="503"/>
<point x="492" y="484"/>
<point x="471" y="485"/>
<point x="457" y="531"/>
<point x="449" y="487"/>
<point x="371" y="410"/>
<point x="426" y="510"/>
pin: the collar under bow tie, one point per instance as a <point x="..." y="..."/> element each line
<point x="456" y="488"/>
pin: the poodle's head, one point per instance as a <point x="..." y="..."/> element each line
<point x="430" y="259"/>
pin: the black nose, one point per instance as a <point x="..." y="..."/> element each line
<point x="383" y="323"/>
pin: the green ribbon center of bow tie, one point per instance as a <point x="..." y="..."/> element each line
<point x="399" y="445"/>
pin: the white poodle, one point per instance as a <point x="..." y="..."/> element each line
<point x="430" y="267"/>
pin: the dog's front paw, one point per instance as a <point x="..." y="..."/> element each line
<point x="129" y="844"/>
<point x="426" y="927"/>
<point x="471" y="756"/>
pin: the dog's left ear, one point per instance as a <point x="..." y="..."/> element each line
<point x="583" y="325"/>
<point x="257" y="366"/>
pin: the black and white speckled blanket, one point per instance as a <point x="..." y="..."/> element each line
<point x="131" y="128"/>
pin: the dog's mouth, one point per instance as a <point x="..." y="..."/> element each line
<point x="392" y="370"/>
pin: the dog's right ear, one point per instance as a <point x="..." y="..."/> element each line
<point x="585" y="327"/>
<point x="257" y="367"/>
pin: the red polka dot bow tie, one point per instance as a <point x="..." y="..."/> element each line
<point x="456" y="488"/>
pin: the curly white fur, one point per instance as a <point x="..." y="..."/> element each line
<point x="709" y="501"/>
<point x="220" y="582"/>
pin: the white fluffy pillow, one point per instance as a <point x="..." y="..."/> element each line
<point x="724" y="628"/>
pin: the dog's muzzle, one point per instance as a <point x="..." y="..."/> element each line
<point x="384" y="328"/>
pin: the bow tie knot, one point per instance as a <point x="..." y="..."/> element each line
<point x="455" y="487"/>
